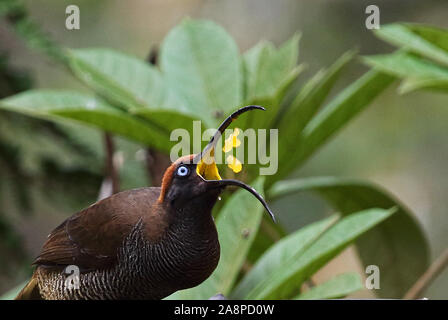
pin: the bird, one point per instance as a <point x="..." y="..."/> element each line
<point x="140" y="244"/>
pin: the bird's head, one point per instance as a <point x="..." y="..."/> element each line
<point x="195" y="179"/>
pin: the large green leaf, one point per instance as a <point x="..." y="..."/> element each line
<point x="418" y="73"/>
<point x="70" y="105"/>
<point x="200" y="62"/>
<point x="132" y="84"/>
<point x="268" y="72"/>
<point x="337" y="287"/>
<point x="283" y="253"/>
<point x="302" y="109"/>
<point x="336" y="114"/>
<point x="237" y="225"/>
<point x="266" y="68"/>
<point x="268" y="233"/>
<point x="283" y="283"/>
<point x="398" y="246"/>
<point x="429" y="42"/>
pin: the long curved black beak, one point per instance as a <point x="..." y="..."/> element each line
<point x="213" y="141"/>
<point x="212" y="144"/>
<point x="231" y="182"/>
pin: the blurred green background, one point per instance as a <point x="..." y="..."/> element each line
<point x="400" y="142"/>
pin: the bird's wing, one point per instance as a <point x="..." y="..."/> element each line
<point x="90" y="239"/>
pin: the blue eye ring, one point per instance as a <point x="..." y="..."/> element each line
<point x="182" y="171"/>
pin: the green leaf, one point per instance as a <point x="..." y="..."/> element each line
<point x="413" y="84"/>
<point x="200" y="62"/>
<point x="400" y="246"/>
<point x="336" y="114"/>
<point x="414" y="38"/>
<point x="69" y="105"/>
<point x="268" y="234"/>
<point x="434" y="35"/>
<point x="132" y="84"/>
<point x="337" y="287"/>
<point x="237" y="225"/>
<point x="266" y="68"/>
<point x="303" y="108"/>
<point x="418" y="73"/>
<point x="281" y="254"/>
<point x="171" y="120"/>
<point x="283" y="283"/>
<point x="268" y="73"/>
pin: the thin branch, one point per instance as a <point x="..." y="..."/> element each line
<point x="111" y="182"/>
<point x="156" y="164"/>
<point x="156" y="161"/>
<point x="428" y="277"/>
<point x="112" y="170"/>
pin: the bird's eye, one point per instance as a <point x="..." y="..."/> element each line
<point x="182" y="171"/>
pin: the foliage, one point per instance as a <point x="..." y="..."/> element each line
<point x="203" y="77"/>
<point x="422" y="59"/>
<point x="400" y="248"/>
<point x="43" y="165"/>
<point x="16" y="14"/>
<point x="337" y="287"/>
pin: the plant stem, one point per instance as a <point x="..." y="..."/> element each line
<point x="156" y="164"/>
<point x="111" y="181"/>
<point x="156" y="161"/>
<point x="428" y="277"/>
<point x="111" y="169"/>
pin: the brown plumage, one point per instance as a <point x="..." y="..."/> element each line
<point x="138" y="244"/>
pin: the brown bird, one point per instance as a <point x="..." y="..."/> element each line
<point x="140" y="244"/>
